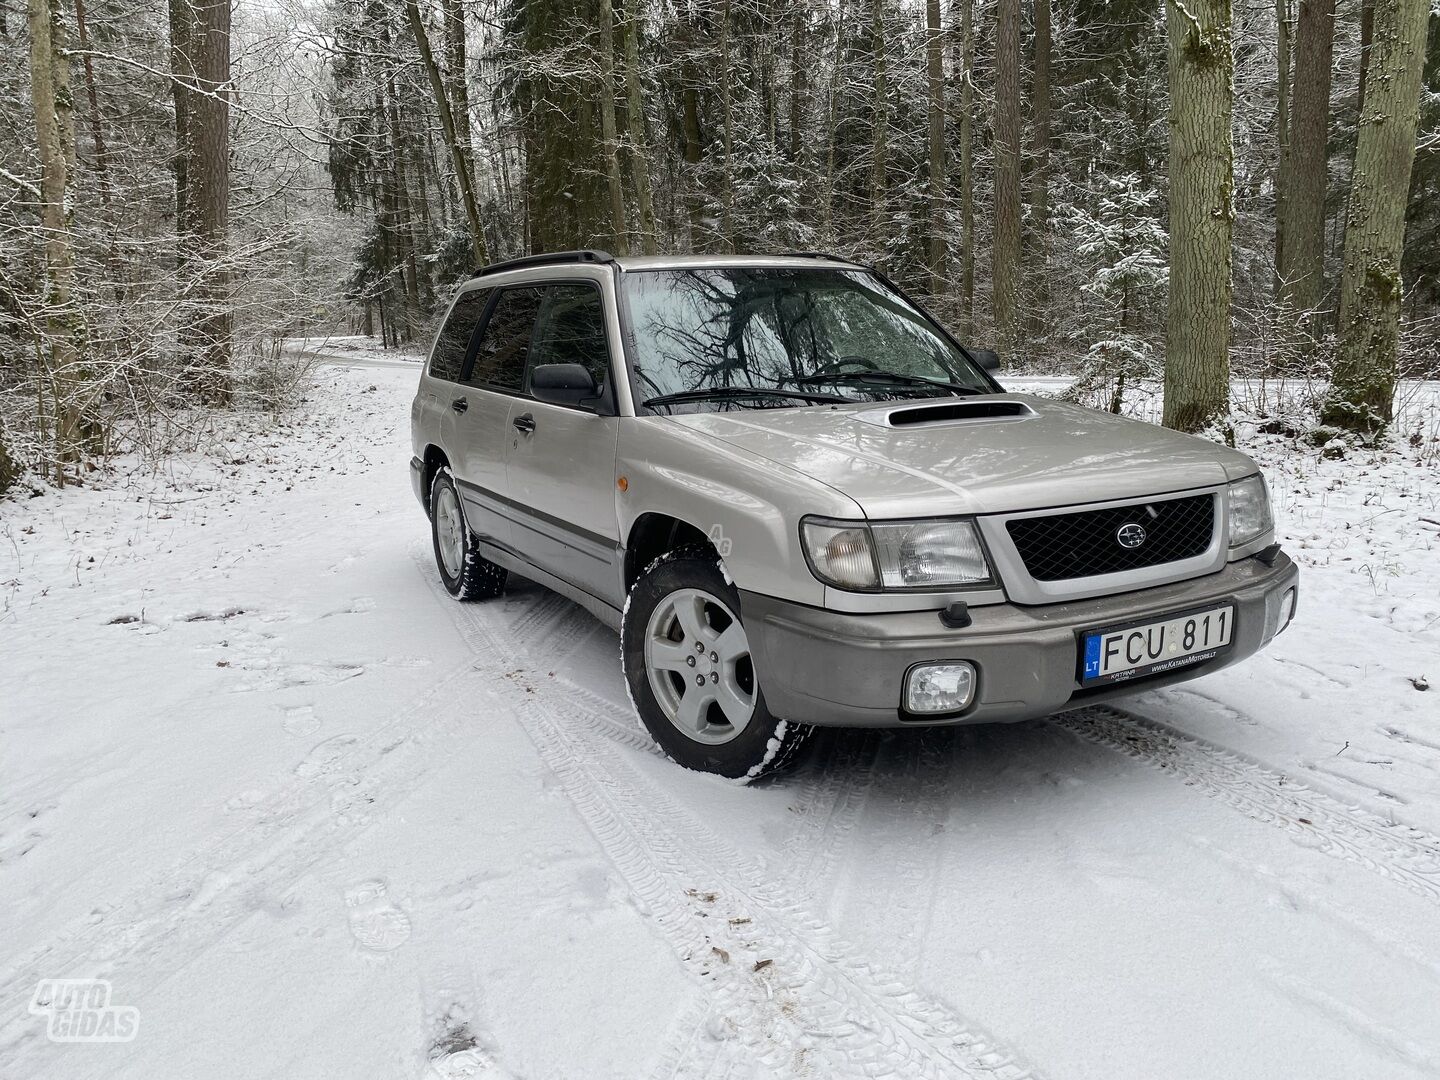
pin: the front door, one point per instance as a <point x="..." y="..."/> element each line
<point x="561" y="463"/>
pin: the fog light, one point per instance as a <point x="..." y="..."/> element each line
<point x="939" y="688"/>
<point x="1287" y="609"/>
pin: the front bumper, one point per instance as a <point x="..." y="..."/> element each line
<point x="842" y="670"/>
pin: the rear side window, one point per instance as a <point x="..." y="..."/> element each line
<point x="451" y="347"/>
<point x="505" y="342"/>
<point x="571" y="330"/>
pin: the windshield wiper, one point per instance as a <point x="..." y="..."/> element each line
<point x="733" y="393"/>
<point x="891" y="377"/>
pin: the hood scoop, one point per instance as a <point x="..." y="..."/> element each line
<point x="949" y="412"/>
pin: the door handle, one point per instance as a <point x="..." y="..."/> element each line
<point x="459" y="404"/>
<point x="524" y="422"/>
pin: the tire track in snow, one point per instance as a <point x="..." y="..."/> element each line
<point x="785" y="993"/>
<point x="332" y="796"/>
<point x="1398" y="852"/>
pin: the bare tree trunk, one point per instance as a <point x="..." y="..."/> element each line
<point x="464" y="175"/>
<point x="935" y="72"/>
<point x="1202" y="213"/>
<point x="457" y="80"/>
<point x="182" y="77"/>
<point x="1005" y="248"/>
<point x="727" y="195"/>
<point x="1040" y="177"/>
<point x="209" y="197"/>
<point x="1362" y="389"/>
<point x="1302" y="274"/>
<point x="967" y="173"/>
<point x="1367" y="31"/>
<point x="690" y="103"/>
<point x="97" y="128"/>
<point x="607" y="126"/>
<point x="879" y="164"/>
<point x="827" y="195"/>
<point x="1282" y="132"/>
<point x="51" y="96"/>
<point x="635" y="116"/>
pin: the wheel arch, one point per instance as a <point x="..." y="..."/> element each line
<point x="432" y="461"/>
<point x="653" y="534"/>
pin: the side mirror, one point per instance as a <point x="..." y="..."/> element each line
<point x="563" y="384"/>
<point x="988" y="359"/>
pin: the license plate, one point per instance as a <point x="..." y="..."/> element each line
<point x="1128" y="652"/>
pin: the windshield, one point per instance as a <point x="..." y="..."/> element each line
<point x="792" y="333"/>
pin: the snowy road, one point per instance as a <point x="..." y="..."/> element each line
<point x="314" y="819"/>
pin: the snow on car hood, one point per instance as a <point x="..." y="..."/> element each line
<point x="1053" y="454"/>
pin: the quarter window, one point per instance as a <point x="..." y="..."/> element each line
<point x="505" y="341"/>
<point x="447" y="360"/>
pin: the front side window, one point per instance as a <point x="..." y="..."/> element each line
<point x="447" y="361"/>
<point x="570" y="329"/>
<point x="505" y="341"/>
<point x="837" y="333"/>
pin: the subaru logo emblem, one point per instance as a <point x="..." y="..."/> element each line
<point x="1130" y="535"/>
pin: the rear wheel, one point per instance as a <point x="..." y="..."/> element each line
<point x="688" y="664"/>
<point x="465" y="573"/>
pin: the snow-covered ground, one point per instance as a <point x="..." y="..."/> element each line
<point x="313" y="819"/>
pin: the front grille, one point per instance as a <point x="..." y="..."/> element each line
<point x="1086" y="543"/>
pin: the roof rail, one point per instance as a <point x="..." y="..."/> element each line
<point x="819" y="255"/>
<point x="585" y="255"/>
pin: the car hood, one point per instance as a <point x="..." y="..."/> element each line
<point x="1051" y="453"/>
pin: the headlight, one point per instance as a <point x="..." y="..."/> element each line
<point x="933" y="554"/>
<point x="1249" y="510"/>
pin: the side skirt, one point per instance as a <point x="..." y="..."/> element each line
<point x="606" y="613"/>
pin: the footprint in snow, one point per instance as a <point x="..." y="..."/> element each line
<point x="457" y="1055"/>
<point x="376" y="923"/>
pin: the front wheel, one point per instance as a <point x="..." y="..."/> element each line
<point x="688" y="664"/>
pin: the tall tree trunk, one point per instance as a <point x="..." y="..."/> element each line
<point x="1005" y="248"/>
<point x="1282" y="133"/>
<point x="1302" y="274"/>
<point x="209" y="196"/>
<point x="1362" y="387"/>
<point x="182" y="78"/>
<point x="457" y="79"/>
<point x="52" y="98"/>
<point x="97" y="126"/>
<point x="1367" y="31"/>
<point x="879" y="163"/>
<point x="1040" y="176"/>
<point x="635" y="118"/>
<point x="609" y="150"/>
<point x="832" y="97"/>
<point x="967" y="174"/>
<point x="935" y="72"/>
<point x="1202" y="212"/>
<point x="690" y="105"/>
<point x="727" y="193"/>
<point x="464" y="175"/>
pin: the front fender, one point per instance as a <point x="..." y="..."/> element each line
<point x="749" y="506"/>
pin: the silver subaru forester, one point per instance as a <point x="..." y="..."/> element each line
<point x="802" y="502"/>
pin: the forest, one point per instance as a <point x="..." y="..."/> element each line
<point x="1130" y="192"/>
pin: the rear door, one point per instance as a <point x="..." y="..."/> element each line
<point x="441" y="393"/>
<point x="493" y="376"/>
<point x="561" y="458"/>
